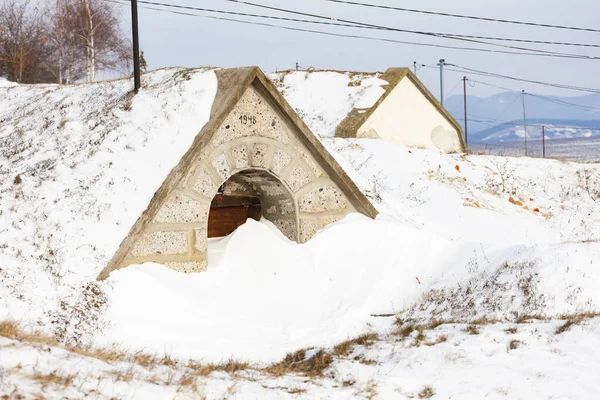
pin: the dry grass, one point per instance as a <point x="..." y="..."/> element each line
<point x="298" y="363"/>
<point x="366" y="361"/>
<point x="514" y="344"/>
<point x="440" y="339"/>
<point x="13" y="330"/>
<point x="230" y="367"/>
<point x="472" y="330"/>
<point x="345" y="348"/>
<point x="574" y="319"/>
<point x="511" y="331"/>
<point x="530" y="317"/>
<point x="426" y="393"/>
<point x="129" y="100"/>
<point x="56" y="378"/>
<point x="109" y="355"/>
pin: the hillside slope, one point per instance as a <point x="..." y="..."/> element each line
<point x="479" y="277"/>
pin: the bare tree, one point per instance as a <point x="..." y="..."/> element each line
<point x="72" y="39"/>
<point x="95" y="23"/>
<point x="24" y="47"/>
<point x="67" y="62"/>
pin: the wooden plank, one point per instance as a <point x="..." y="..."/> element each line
<point x="223" y="200"/>
<point x="224" y="220"/>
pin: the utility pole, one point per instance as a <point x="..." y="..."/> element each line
<point x="465" y="97"/>
<point x="524" y="121"/>
<point x="136" y="46"/>
<point x="543" y="141"/>
<point x="297" y="66"/>
<point x="441" y="64"/>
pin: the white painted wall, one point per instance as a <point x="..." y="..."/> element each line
<point x="407" y="117"/>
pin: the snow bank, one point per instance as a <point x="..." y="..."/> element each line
<point x="324" y="98"/>
<point x="268" y="296"/>
<point x="79" y="165"/>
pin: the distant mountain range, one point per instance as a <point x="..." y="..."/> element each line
<point x="499" y="118"/>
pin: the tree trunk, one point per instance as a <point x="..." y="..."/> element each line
<point x="90" y="43"/>
<point x="59" y="13"/>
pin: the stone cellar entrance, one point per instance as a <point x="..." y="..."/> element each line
<point x="254" y="158"/>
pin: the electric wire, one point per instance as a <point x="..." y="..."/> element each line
<point x="475" y="49"/>
<point x="506" y="21"/>
<point x="501" y="76"/>
<point x="431" y="34"/>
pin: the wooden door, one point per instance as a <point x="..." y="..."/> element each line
<point x="227" y="213"/>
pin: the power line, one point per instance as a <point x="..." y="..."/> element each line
<point x="495" y="75"/>
<point x="453" y="35"/>
<point x="506" y="21"/>
<point x="318" y="31"/>
<point x="566" y="103"/>
<point x="549" y="99"/>
<point x="431" y="34"/>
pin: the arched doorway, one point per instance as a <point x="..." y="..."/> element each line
<point x="252" y="193"/>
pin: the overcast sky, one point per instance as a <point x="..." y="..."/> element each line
<point x="177" y="40"/>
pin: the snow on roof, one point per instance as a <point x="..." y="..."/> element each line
<point x="324" y="98"/>
<point x="79" y="164"/>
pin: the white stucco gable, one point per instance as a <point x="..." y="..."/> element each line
<point x="406" y="116"/>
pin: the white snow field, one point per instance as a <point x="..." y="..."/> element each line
<point x="479" y="279"/>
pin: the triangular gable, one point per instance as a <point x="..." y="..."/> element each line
<point x="313" y="174"/>
<point x="356" y="118"/>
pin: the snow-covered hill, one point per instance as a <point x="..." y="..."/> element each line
<point x="479" y="278"/>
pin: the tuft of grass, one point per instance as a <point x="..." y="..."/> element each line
<point x="528" y="317"/>
<point x="13" y="330"/>
<point x="129" y="100"/>
<point x="574" y="319"/>
<point x="366" y="361"/>
<point x="107" y="354"/>
<point x="168" y="361"/>
<point x="345" y="348"/>
<point x="18" y="180"/>
<point x="566" y="326"/>
<point x="53" y="378"/>
<point x="484" y="321"/>
<point x="230" y="367"/>
<point x="440" y="339"/>
<point x="472" y="330"/>
<point x="511" y="331"/>
<point x="405" y="330"/>
<point x="426" y="393"/>
<point x="125" y="376"/>
<point x="420" y="338"/>
<point x="514" y="344"/>
<point x="298" y="363"/>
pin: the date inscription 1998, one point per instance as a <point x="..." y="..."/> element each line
<point x="248" y="119"/>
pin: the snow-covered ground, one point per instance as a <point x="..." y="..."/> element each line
<point x="500" y="251"/>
